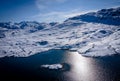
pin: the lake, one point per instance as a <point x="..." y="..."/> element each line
<point x="75" y="67"/>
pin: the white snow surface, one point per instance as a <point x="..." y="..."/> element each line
<point x="88" y="38"/>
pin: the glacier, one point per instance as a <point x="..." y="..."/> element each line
<point x="97" y="35"/>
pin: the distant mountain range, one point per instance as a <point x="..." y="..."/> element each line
<point x="91" y="34"/>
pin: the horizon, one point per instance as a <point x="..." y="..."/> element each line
<point x="47" y="11"/>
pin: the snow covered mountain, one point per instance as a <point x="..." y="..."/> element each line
<point x="91" y="34"/>
<point x="105" y="16"/>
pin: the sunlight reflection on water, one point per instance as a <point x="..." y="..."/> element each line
<point x="76" y="67"/>
<point x="83" y="68"/>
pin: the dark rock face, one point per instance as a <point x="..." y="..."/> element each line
<point x="43" y="43"/>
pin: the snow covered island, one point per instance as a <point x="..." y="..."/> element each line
<point x="52" y="66"/>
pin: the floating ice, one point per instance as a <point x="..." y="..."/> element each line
<point x="52" y="66"/>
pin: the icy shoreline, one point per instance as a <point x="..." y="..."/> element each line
<point x="90" y="44"/>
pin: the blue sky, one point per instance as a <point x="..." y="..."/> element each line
<point x="49" y="10"/>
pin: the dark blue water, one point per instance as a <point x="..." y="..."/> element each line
<point x="76" y="67"/>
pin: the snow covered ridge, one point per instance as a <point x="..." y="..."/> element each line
<point x="88" y="38"/>
<point x="106" y="16"/>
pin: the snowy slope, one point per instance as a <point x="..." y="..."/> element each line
<point x="88" y="38"/>
<point x="105" y="16"/>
